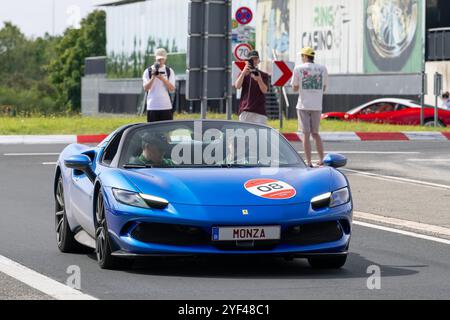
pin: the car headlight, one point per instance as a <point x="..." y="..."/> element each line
<point x="140" y="200"/>
<point x="331" y="199"/>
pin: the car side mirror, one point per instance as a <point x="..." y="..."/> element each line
<point x="81" y="163"/>
<point x="335" y="160"/>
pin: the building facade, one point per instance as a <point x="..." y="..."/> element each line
<point x="372" y="48"/>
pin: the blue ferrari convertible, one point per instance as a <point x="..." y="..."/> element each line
<point x="191" y="188"/>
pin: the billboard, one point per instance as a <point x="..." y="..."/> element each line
<point x="393" y="36"/>
<point x="349" y="36"/>
<point x="273" y="30"/>
<point x="333" y="28"/>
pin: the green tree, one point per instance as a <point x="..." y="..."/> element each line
<point x="67" y="67"/>
<point x="23" y="77"/>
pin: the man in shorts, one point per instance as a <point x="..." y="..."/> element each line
<point x="311" y="79"/>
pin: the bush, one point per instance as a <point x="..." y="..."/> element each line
<point x="26" y="103"/>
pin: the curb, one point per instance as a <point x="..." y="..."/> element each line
<point x="292" y="137"/>
<point x="374" y="136"/>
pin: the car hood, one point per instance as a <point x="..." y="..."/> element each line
<point x="227" y="187"/>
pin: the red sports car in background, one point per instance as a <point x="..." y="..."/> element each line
<point x="392" y="111"/>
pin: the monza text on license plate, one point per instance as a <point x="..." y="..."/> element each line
<point x="246" y="233"/>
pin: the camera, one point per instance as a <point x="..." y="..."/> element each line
<point x="253" y="69"/>
<point x="156" y="67"/>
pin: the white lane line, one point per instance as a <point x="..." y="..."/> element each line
<point x="397" y="179"/>
<point x="402" y="232"/>
<point x="429" y="160"/>
<point x="405" y="224"/>
<point x="371" y="152"/>
<point x="49" y="163"/>
<point x="30" y="154"/>
<point x="40" y="282"/>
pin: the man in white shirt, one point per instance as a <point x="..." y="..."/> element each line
<point x="311" y="80"/>
<point x="159" y="82"/>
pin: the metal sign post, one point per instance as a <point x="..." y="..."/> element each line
<point x="422" y="97"/>
<point x="437" y="94"/>
<point x="229" y="59"/>
<point x="204" y="103"/>
<point x="209" y="60"/>
<point x="424" y="76"/>
<point x="282" y="73"/>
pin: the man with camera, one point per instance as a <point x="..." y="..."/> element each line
<point x="254" y="84"/>
<point x="159" y="82"/>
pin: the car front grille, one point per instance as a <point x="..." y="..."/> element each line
<point x="168" y="234"/>
<point x="313" y="233"/>
<point x="178" y="235"/>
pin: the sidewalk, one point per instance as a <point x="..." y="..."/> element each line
<point x="292" y="137"/>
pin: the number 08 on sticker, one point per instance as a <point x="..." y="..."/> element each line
<point x="270" y="189"/>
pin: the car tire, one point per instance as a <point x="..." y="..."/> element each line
<point x="330" y="262"/>
<point x="103" y="250"/>
<point x="430" y="123"/>
<point x="65" y="238"/>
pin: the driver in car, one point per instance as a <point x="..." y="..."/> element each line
<point x="153" y="151"/>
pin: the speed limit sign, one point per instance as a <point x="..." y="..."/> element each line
<point x="241" y="51"/>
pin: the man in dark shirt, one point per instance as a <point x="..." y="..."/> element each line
<point x="254" y="84"/>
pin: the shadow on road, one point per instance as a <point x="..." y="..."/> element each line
<point x="259" y="268"/>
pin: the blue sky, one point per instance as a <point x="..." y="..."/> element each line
<point x="35" y="17"/>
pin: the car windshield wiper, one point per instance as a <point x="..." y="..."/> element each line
<point x="137" y="166"/>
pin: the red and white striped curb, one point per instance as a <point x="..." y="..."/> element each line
<point x="375" y="136"/>
<point x="53" y="139"/>
<point x="293" y="137"/>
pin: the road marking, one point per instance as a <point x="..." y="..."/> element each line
<point x="49" y="163"/>
<point x="429" y="160"/>
<point x="370" y="152"/>
<point x="405" y="224"/>
<point x="40" y="282"/>
<point x="29" y="154"/>
<point x="397" y="179"/>
<point x="402" y="232"/>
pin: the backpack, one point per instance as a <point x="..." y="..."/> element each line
<point x="168" y="73"/>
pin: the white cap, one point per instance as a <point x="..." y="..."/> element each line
<point x="161" y="53"/>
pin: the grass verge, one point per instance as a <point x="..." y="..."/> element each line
<point x="99" y="125"/>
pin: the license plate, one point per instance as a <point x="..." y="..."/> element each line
<point x="246" y="233"/>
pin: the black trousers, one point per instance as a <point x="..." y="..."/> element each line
<point x="159" y="115"/>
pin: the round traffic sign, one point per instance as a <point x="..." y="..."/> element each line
<point x="270" y="189"/>
<point x="241" y="51"/>
<point x="244" y="15"/>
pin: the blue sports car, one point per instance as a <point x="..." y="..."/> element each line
<point x="191" y="188"/>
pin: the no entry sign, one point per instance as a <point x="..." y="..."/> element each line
<point x="244" y="15"/>
<point x="241" y="51"/>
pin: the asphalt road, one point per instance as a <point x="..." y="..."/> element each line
<point x="410" y="267"/>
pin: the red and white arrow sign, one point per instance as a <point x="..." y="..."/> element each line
<point x="238" y="67"/>
<point x="282" y="73"/>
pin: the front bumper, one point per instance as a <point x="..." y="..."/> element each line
<point x="130" y="239"/>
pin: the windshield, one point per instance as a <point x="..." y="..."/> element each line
<point x="206" y="144"/>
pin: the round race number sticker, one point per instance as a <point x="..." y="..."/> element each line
<point x="270" y="189"/>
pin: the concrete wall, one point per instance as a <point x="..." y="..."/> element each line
<point x="344" y="93"/>
<point x="93" y="86"/>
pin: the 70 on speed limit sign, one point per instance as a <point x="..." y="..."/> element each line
<point x="241" y="51"/>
